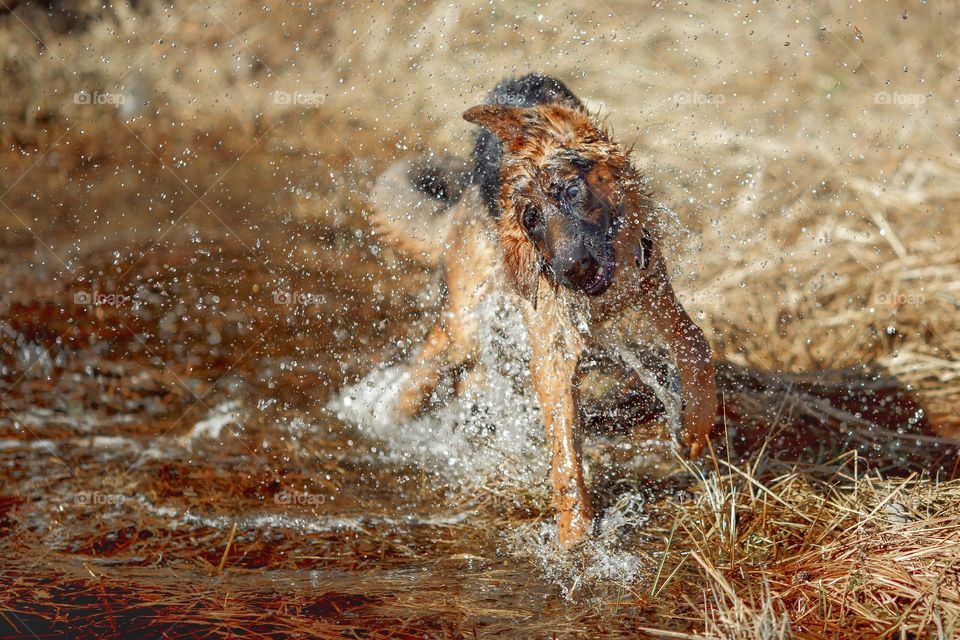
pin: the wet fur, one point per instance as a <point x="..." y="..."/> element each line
<point x="529" y="91"/>
<point x="535" y="132"/>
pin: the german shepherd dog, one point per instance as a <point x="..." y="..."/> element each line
<point x="552" y="210"/>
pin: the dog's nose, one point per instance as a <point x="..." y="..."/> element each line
<point x="581" y="269"/>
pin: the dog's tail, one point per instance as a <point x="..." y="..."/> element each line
<point x="410" y="201"/>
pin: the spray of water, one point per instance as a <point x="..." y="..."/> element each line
<point x="492" y="433"/>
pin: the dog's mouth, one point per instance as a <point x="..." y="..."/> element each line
<point x="589" y="273"/>
<point x="601" y="281"/>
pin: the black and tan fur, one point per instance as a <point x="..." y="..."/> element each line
<point x="554" y="211"/>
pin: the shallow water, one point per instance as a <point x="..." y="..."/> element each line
<point x="191" y="470"/>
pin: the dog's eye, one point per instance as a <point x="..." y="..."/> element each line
<point x="572" y="191"/>
<point x="531" y="220"/>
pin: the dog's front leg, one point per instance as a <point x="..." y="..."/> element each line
<point x="694" y="364"/>
<point x="553" y="368"/>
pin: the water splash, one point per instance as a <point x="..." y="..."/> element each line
<point x="602" y="561"/>
<point x="493" y="433"/>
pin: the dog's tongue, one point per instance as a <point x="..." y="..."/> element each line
<point x="598" y="281"/>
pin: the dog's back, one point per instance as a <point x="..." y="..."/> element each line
<point x="410" y="200"/>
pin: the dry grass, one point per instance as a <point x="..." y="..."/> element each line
<point x="823" y="556"/>
<point x="810" y="151"/>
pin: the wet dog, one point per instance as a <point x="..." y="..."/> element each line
<point x="553" y="211"/>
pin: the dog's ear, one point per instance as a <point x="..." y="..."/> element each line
<point x="507" y="123"/>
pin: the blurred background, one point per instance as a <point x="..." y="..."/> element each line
<point x="188" y="273"/>
<point x="809" y="149"/>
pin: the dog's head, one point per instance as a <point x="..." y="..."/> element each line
<point x="563" y="188"/>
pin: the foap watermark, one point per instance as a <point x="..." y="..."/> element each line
<point x="298" y="298"/>
<point x="899" y="99"/>
<point x="298" y="499"/>
<point x="708" y="298"/>
<point x="899" y="299"/>
<point x="98" y="98"/>
<point x="299" y="98"/>
<point x="96" y="498"/>
<point x="100" y="299"/>
<point x="695" y="99"/>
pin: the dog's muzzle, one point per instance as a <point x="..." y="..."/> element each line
<point x="582" y="270"/>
